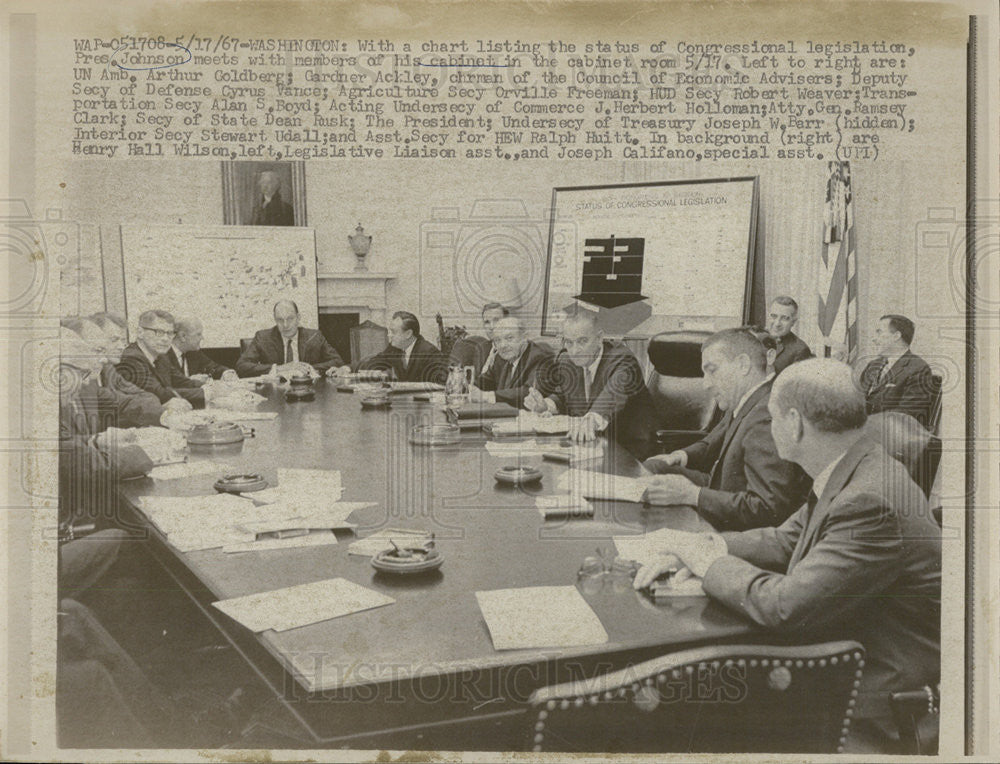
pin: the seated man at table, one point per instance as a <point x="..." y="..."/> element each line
<point x="115" y="329"/>
<point x="600" y="384"/>
<point x="733" y="476"/>
<point x="144" y="362"/>
<point x="408" y="357"/>
<point x="287" y="349"/>
<point x="862" y="560"/>
<point x="516" y="366"/>
<point x="898" y="380"/>
<point x="91" y="333"/>
<point x="476" y="351"/>
<point x="782" y="317"/>
<point x="187" y="357"/>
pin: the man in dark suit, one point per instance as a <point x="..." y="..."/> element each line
<point x="733" y="476"/>
<point x="144" y="362"/>
<point x="516" y="368"/>
<point x="862" y="560"/>
<point x="782" y="316"/>
<point x="187" y="357"/>
<point x="408" y="357"/>
<point x="91" y="460"/>
<point x="898" y="380"/>
<point x="600" y="385"/>
<point x="479" y="352"/>
<point x="287" y="349"/>
<point x="269" y="207"/>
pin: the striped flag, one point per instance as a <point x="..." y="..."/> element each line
<point x="837" y="280"/>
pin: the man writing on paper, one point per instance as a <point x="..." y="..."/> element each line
<point x="186" y="355"/>
<point x="287" y="349"/>
<point x="600" y="385"/>
<point x="733" y="476"/>
<point x="517" y="364"/>
<point x="862" y="560"/>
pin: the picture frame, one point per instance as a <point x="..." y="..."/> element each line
<point x="242" y="198"/>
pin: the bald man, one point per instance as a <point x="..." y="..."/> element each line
<point x="515" y="368"/>
<point x="287" y="348"/>
<point x="187" y="357"/>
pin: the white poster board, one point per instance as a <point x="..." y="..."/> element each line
<point x="227" y="276"/>
<point x="652" y="257"/>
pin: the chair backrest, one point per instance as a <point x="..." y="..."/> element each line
<point x="245" y="344"/>
<point x="934" y="408"/>
<point x="906" y="440"/>
<point x="675" y="383"/>
<point x="725" y="698"/>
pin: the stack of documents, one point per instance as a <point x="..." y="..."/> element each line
<point x="516" y="449"/>
<point x="528" y="422"/>
<point x="202" y="522"/>
<point x="564" y="506"/>
<point x="231" y="415"/>
<point x="602" y="485"/>
<point x="302" y="487"/>
<point x="294" y="606"/>
<point x="540" y="616"/>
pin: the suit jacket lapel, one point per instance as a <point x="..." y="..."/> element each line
<point x="838" y="479"/>
<point x="737" y="420"/>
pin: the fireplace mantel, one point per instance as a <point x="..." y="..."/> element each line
<point x="361" y="292"/>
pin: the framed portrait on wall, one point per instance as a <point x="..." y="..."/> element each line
<point x="264" y="193"/>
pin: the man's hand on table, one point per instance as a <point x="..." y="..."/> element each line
<point x="677" y="458"/>
<point x="668" y="490"/>
<point x="696" y="550"/>
<point x="338" y="371"/>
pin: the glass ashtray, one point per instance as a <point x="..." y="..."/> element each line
<point x="435" y="435"/>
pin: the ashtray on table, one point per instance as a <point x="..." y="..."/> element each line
<point x="517" y="475"/>
<point x="435" y="435"/>
<point x="240" y="483"/>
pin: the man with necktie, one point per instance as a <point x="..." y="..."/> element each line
<point x="733" y="476"/>
<point x="187" y="357"/>
<point x="782" y="317"/>
<point x="144" y="362"/>
<point x="287" y="349"/>
<point x="476" y="351"/>
<point x="408" y="356"/>
<point x="516" y="367"/>
<point x="600" y="385"/>
<point x="861" y="560"/>
<point x="898" y="380"/>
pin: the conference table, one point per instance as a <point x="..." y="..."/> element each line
<point x="423" y="672"/>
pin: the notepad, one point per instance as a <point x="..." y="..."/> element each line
<point x="540" y="616"/>
<point x="382" y="541"/>
<point x="188" y="469"/>
<point x="528" y="422"/>
<point x="295" y="606"/>
<point x="602" y="485"/>
<point x="314" y="538"/>
<point x="563" y="506"/>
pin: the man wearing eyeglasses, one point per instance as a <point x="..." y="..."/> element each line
<point x="144" y="362"/>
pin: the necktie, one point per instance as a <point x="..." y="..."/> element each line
<point x="879" y="378"/>
<point x="489" y="360"/>
<point x="587" y="382"/>
<point x="288" y="351"/>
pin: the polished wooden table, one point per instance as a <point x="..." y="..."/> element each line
<point x="423" y="671"/>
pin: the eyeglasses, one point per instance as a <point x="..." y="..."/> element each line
<point x="604" y="564"/>
<point x="159" y="332"/>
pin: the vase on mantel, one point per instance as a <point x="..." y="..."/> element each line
<point x="361" y="244"/>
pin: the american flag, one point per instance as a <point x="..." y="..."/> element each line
<point x="837" y="280"/>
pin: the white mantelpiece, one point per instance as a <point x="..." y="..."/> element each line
<point x="362" y="292"/>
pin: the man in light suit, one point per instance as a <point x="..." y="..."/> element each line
<point x="733" y="476"/>
<point x="782" y="317"/>
<point x="862" y="560"/>
<point x="516" y="367"/>
<point x="287" y="349"/>
<point x="600" y="385"/>
<point x="898" y="380"/>
<point x="187" y="357"/>
<point x="144" y="362"/>
<point x="408" y="357"/>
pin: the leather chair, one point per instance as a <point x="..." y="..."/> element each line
<point x="906" y="440"/>
<point x="245" y="343"/>
<point x="934" y="408"/>
<point x="724" y="698"/>
<point x="685" y="410"/>
<point x="917" y="716"/>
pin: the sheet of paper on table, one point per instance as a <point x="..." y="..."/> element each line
<point x="294" y="606"/>
<point x="522" y="448"/>
<point x="191" y="523"/>
<point x="380" y="541"/>
<point x="231" y="415"/>
<point x="189" y="469"/>
<point x="313" y="538"/>
<point x="289" y="516"/>
<point x="303" y="487"/>
<point x="602" y="485"/>
<point x="416" y="387"/>
<point x="529" y="422"/>
<point x="642" y="549"/>
<point x="540" y="616"/>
